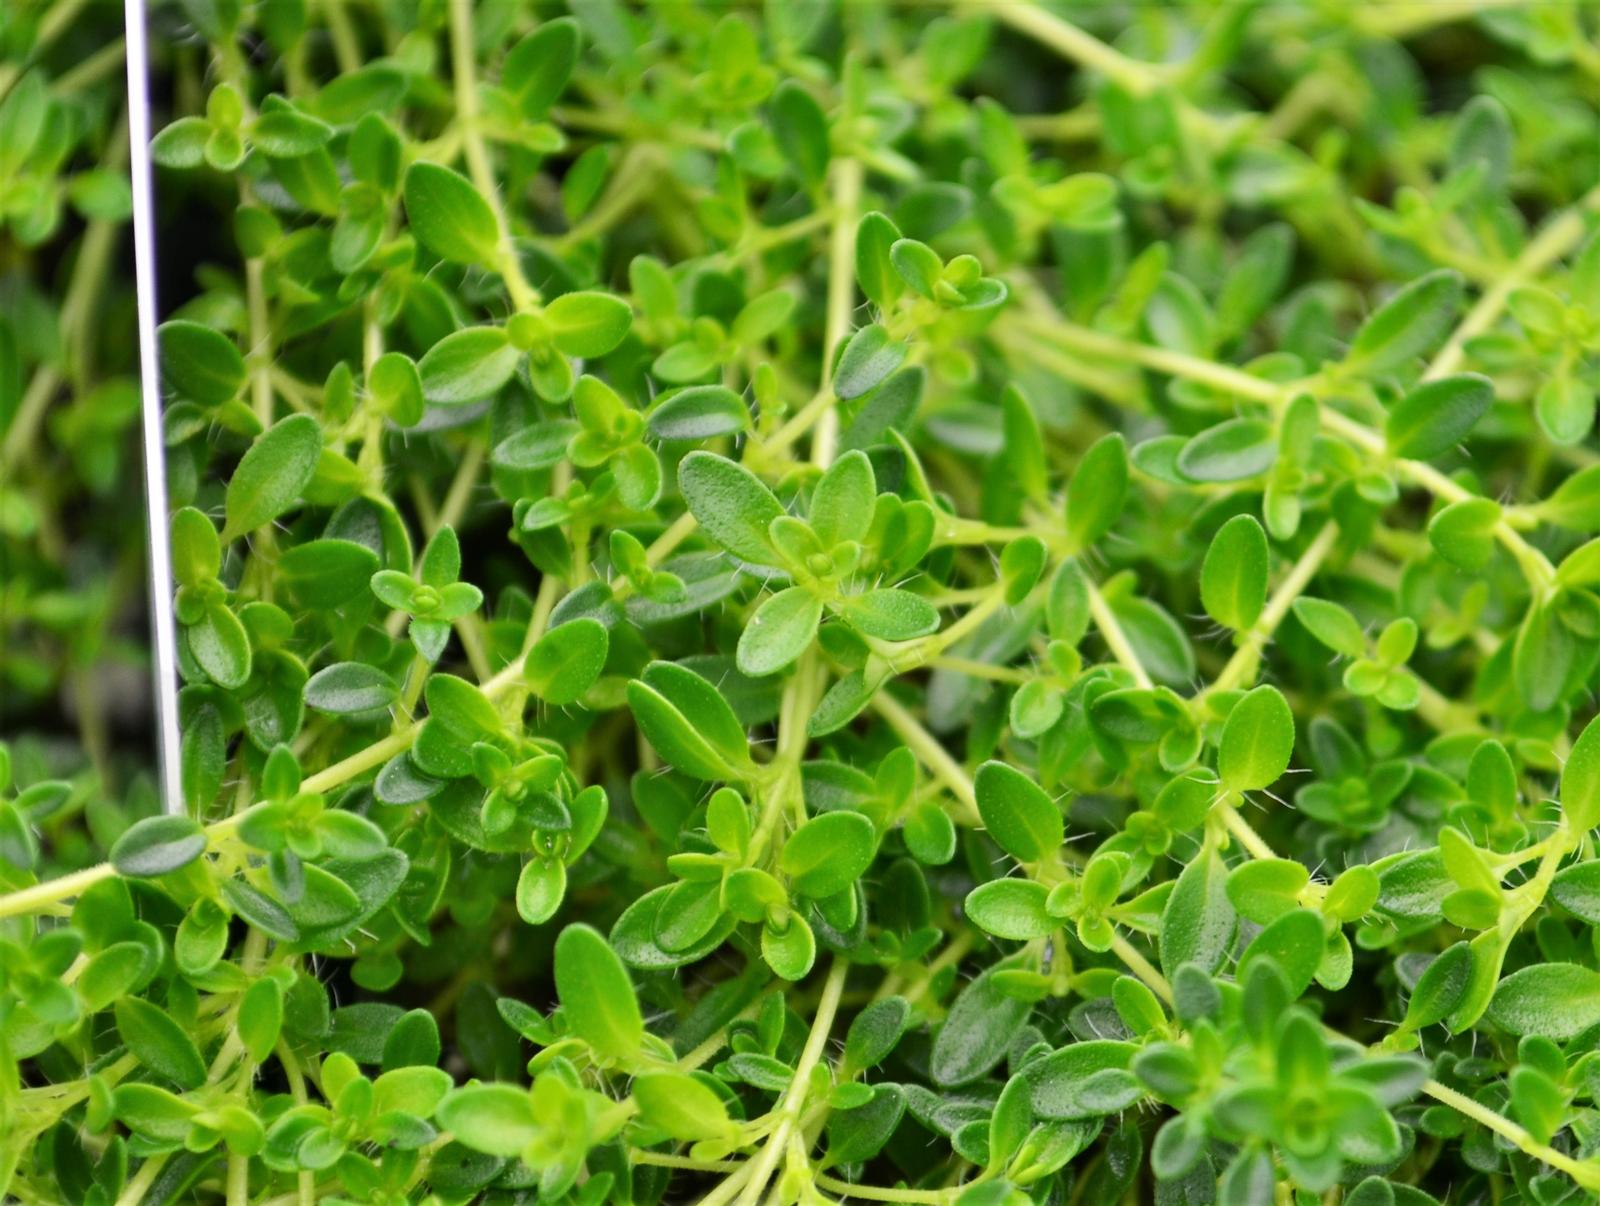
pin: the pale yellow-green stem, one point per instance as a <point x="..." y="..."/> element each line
<point x="1116" y="640"/>
<point x="794" y="1099"/>
<point x="846" y="179"/>
<point x="464" y="69"/>
<point x="1560" y="235"/>
<point x="928" y="750"/>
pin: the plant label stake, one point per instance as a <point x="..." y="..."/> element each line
<point x="162" y="621"/>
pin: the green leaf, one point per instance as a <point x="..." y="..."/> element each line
<point x="1233" y="578"/>
<point x="1231" y="451"/>
<point x="861" y="1133"/>
<point x="1011" y="908"/>
<point x="875" y="1032"/>
<point x="1577" y="889"/>
<point x="566" y="661"/>
<point x="596" y="995"/>
<point x="1463" y="532"/>
<point x="536" y="69"/>
<point x="841" y="504"/>
<point x="496" y="1119"/>
<point x="260" y="1019"/>
<point x="713" y="747"/>
<point x="350" y="689"/>
<point x="1565" y="406"/>
<point x="1555" y="1000"/>
<point x="324" y="574"/>
<point x="221" y="645"/>
<point x="868" y="358"/>
<point x="1021" y="818"/>
<point x="680" y="1106"/>
<point x="1437" y="415"/>
<point x="159" y="1043"/>
<point x="588" y="324"/>
<point x="781" y="629"/>
<point x="1575" y="505"/>
<point x="466" y="366"/>
<point x="1096" y="492"/>
<point x="1580" y="780"/>
<point x="828" y="853"/>
<point x="801" y="131"/>
<point x="196" y="551"/>
<point x="1263" y="890"/>
<point x="200" y="363"/>
<point x="157" y="845"/>
<point x="272" y="474"/>
<point x="700" y="412"/>
<point x="790" y="951"/>
<point x="889" y="615"/>
<point x="449" y="217"/>
<point x="396" y="386"/>
<point x="731" y="504"/>
<point x="1331" y="624"/>
<point x="1257" y="741"/>
<point x="1198" y="922"/>
<point x="880" y="284"/>
<point x="1293" y="943"/>
<point x="1440" y="987"/>
<point x="1083" y="1080"/>
<point x="541" y="886"/>
<point x="1412" y="323"/>
<point x="980" y="1027"/>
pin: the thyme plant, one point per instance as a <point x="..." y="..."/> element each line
<point x="979" y="604"/>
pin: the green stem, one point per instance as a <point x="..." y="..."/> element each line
<point x="1116" y="640"/>
<point x="1587" y="1175"/>
<point x="464" y="69"/>
<point x="847" y="179"/>
<point x="1563" y="233"/>
<point x="929" y="751"/>
<point x="799" y="1087"/>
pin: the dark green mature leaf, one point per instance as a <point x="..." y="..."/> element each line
<point x="700" y="412"/>
<point x="976" y="1032"/>
<point x="1555" y="1000"/>
<point x="158" y="845"/>
<point x="1198" y="923"/>
<point x="159" y="1043"/>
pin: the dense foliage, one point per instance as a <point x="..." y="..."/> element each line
<point x="74" y="696"/>
<point x="847" y="602"/>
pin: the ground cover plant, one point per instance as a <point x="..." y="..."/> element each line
<point x="803" y="603"/>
